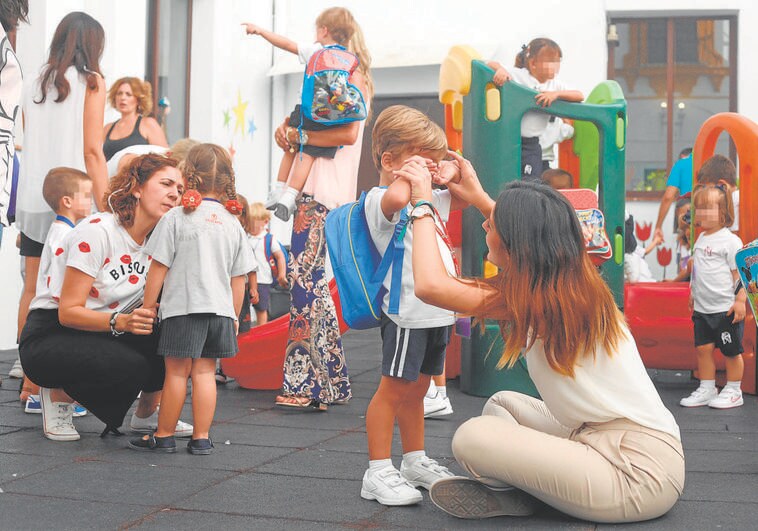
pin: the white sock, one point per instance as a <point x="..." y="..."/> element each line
<point x="289" y="191"/>
<point x="279" y="187"/>
<point x="708" y="384"/>
<point x="734" y="385"/>
<point x="442" y="390"/>
<point x="379" y="464"/>
<point x="410" y="457"/>
<point x="432" y="389"/>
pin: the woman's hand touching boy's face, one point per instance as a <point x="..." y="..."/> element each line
<point x="416" y="170"/>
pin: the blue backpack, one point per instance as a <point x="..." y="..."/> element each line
<point x="267" y="239"/>
<point x="328" y="97"/>
<point x="359" y="268"/>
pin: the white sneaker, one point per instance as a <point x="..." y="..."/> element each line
<point x="424" y="471"/>
<point x="286" y="204"/>
<point x="57" y="419"/>
<point x="437" y="406"/>
<point x="150" y="424"/>
<point x="728" y="397"/>
<point x="699" y="397"/>
<point x="388" y="487"/>
<point x="16" y="371"/>
<point x="274" y="194"/>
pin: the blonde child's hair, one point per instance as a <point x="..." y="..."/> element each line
<point x="258" y="212"/>
<point x="339" y="22"/>
<point x="705" y="196"/>
<point x="357" y="46"/>
<point x="142" y="90"/>
<point x="61" y="182"/>
<point x="244" y="215"/>
<point x="180" y="148"/>
<point x="208" y="169"/>
<point x="400" y="129"/>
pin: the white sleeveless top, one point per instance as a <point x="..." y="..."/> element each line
<point x="603" y="389"/>
<point x="53" y="136"/>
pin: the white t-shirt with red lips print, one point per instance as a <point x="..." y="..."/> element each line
<point x="102" y="249"/>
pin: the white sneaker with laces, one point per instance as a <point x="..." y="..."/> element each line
<point x="388" y="487"/>
<point x="699" y="397"/>
<point x="16" y="371"/>
<point x="150" y="424"/>
<point x="727" y="398"/>
<point x="424" y="471"/>
<point x="57" y="419"/>
<point x="433" y="403"/>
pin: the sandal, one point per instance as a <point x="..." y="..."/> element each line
<point x="300" y="402"/>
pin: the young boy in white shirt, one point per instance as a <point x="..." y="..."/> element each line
<point x="414" y="338"/>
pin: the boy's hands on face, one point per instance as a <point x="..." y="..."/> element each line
<point x="416" y="170"/>
<point x="449" y="171"/>
<point x="467" y="187"/>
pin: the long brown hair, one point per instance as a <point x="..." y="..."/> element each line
<point x="548" y="288"/>
<point x="78" y="41"/>
<point x="119" y="198"/>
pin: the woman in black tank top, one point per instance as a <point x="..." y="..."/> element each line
<point x="132" y="98"/>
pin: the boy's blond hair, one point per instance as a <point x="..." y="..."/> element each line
<point x="61" y="182"/>
<point x="258" y="212"/>
<point x="400" y="129"/>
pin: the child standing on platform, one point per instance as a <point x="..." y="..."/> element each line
<point x="415" y="338"/>
<point x="718" y="309"/>
<point x="265" y="248"/>
<point x="536" y="67"/>
<point x="200" y="258"/>
<point x="69" y="193"/>
<point x="335" y="25"/>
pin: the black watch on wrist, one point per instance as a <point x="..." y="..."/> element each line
<point x="112" y="322"/>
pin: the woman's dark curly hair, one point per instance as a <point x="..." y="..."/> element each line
<point x="119" y="197"/>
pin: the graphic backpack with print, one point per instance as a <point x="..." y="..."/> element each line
<point x="359" y="268"/>
<point x="328" y="96"/>
<point x="267" y="239"/>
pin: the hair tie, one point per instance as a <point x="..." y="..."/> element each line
<point x="234" y="206"/>
<point x="191" y="199"/>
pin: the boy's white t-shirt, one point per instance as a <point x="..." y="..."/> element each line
<point x="52" y="253"/>
<point x="258" y="245"/>
<point x="712" y="282"/>
<point x="534" y="123"/>
<point x="102" y="249"/>
<point x="413" y="313"/>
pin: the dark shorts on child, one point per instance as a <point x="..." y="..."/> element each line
<point x="531" y="159"/>
<point x="310" y="125"/>
<point x="198" y="335"/>
<point x="406" y="352"/>
<point x="264" y="298"/>
<point x="719" y="329"/>
<point x="29" y="247"/>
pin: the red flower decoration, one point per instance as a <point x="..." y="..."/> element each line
<point x="96" y="220"/>
<point x="643" y="231"/>
<point x="58" y="251"/>
<point x="133" y="279"/>
<point x="94" y="293"/>
<point x="113" y="305"/>
<point x="664" y="256"/>
<point x="234" y="206"/>
<point x="84" y="247"/>
<point x="191" y="199"/>
<point x="126" y="259"/>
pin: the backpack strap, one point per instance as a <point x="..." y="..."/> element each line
<point x="393" y="256"/>
<point x="267" y="245"/>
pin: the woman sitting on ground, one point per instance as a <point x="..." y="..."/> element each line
<point x="600" y="445"/>
<point x="85" y="341"/>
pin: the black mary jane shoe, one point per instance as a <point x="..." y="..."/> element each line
<point x="200" y="446"/>
<point x="151" y="443"/>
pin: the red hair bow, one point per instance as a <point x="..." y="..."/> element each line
<point x="234" y="206"/>
<point x="191" y="199"/>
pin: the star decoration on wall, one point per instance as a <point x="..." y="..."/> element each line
<point x="227" y="118"/>
<point x="239" y="114"/>
<point x="251" y="127"/>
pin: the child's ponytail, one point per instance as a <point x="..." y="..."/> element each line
<point x="232" y="204"/>
<point x="191" y="198"/>
<point x="522" y="56"/>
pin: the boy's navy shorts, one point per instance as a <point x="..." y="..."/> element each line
<point x="407" y="352"/>
<point x="719" y="329"/>
<point x="264" y="298"/>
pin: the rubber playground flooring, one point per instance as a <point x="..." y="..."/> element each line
<point x="278" y="469"/>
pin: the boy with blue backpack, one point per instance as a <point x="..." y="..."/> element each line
<point x="414" y="334"/>
<point x="328" y="99"/>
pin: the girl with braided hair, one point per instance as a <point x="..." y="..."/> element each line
<point x="200" y="257"/>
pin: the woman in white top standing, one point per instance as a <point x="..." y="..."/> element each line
<point x="600" y="445"/>
<point x="63" y="126"/>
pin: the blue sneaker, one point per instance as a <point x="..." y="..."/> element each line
<point x="33" y="405"/>
<point x="79" y="410"/>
